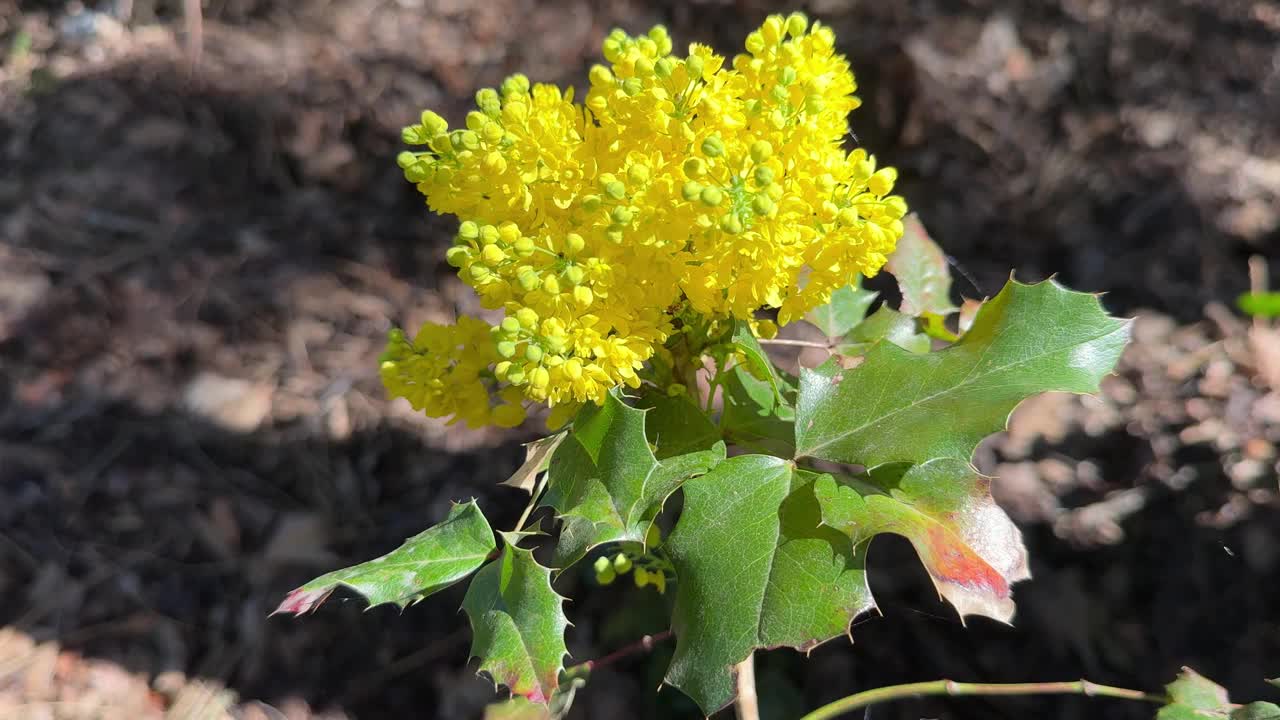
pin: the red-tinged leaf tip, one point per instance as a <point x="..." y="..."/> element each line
<point x="302" y="601"/>
<point x="963" y="578"/>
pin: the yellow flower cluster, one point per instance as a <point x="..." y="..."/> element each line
<point x="680" y="184"/>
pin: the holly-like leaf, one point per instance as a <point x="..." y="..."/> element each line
<point x="1027" y="340"/>
<point x="425" y="564"/>
<point x="1196" y="691"/>
<point x="537" y="456"/>
<point x="756" y="569"/>
<point x="885" y="324"/>
<point x="920" y="268"/>
<point x="675" y="425"/>
<point x="971" y="549"/>
<point x="847" y="308"/>
<point x="757" y="361"/>
<point x="1275" y="682"/>
<point x="605" y="482"/>
<point x="517" y="623"/>
<point x="754" y="417"/>
<point x="1192" y="696"/>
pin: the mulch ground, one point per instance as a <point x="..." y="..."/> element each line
<point x="198" y="266"/>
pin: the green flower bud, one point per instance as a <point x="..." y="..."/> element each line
<point x="600" y="76"/>
<point x="622" y="564"/>
<point x="797" y="23"/>
<point x="764" y="176"/>
<point x="507" y="349"/>
<point x="694" y="65"/>
<point x="517" y="84"/>
<point x="433" y="123"/>
<point x="615" y="190"/>
<point x="711" y="196"/>
<point x="510" y="324"/>
<point x="532" y="353"/>
<point x="528" y="318"/>
<point x="457" y="256"/>
<point x="761" y="150"/>
<point x="713" y="147"/>
<point x="691" y="191"/>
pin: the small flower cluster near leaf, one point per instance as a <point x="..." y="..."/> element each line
<point x="644" y="248"/>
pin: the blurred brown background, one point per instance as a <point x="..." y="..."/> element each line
<point x="198" y="263"/>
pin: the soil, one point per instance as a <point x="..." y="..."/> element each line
<point x="204" y="238"/>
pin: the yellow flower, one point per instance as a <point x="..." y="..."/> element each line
<point x="442" y="371"/>
<point x="681" y="181"/>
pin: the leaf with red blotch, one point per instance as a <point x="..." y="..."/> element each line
<point x="426" y="563"/>
<point x="921" y="269"/>
<point x="971" y="549"/>
<point x="517" y="623"/>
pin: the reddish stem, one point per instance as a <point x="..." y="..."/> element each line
<point x="644" y="644"/>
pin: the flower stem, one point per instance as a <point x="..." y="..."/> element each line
<point x="955" y="689"/>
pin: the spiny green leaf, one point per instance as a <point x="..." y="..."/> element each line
<point x="426" y="563"/>
<point x="885" y="324"/>
<point x="675" y="425"/>
<point x="605" y="482"/>
<point x="1196" y="691"/>
<point x="754" y="418"/>
<point x="517" y="623"/>
<point x="1274" y="681"/>
<point x="973" y="552"/>
<point x="920" y="268"/>
<point x="537" y="455"/>
<point x="756" y="569"/>
<point x="757" y="361"/>
<point x="1260" y="304"/>
<point x="888" y="408"/>
<point x="847" y="308"/>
